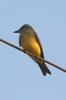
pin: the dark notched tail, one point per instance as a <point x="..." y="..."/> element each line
<point x="44" y="69"/>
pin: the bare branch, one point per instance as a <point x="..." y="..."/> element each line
<point x="60" y="68"/>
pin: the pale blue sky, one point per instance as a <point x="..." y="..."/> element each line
<point x="20" y="76"/>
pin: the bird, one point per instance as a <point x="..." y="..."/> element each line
<point x="29" y="41"/>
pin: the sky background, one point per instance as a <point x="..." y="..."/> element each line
<point x="20" y="76"/>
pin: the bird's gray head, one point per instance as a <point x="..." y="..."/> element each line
<point x="24" y="28"/>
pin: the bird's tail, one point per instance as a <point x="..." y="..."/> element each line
<point x="44" y="69"/>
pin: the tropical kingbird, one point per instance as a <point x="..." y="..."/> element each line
<point x="29" y="40"/>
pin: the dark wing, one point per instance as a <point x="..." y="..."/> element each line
<point x="37" y="38"/>
<point x="19" y="41"/>
<point x="42" y="66"/>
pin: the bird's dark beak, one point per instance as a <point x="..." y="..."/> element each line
<point x="16" y="31"/>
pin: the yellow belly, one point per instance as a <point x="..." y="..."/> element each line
<point x="31" y="45"/>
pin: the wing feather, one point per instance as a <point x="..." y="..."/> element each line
<point x="37" y="38"/>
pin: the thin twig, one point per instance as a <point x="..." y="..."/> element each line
<point x="60" y="68"/>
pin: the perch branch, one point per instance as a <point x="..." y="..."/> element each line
<point x="60" y="68"/>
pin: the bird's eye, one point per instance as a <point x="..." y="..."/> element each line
<point x="23" y="27"/>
